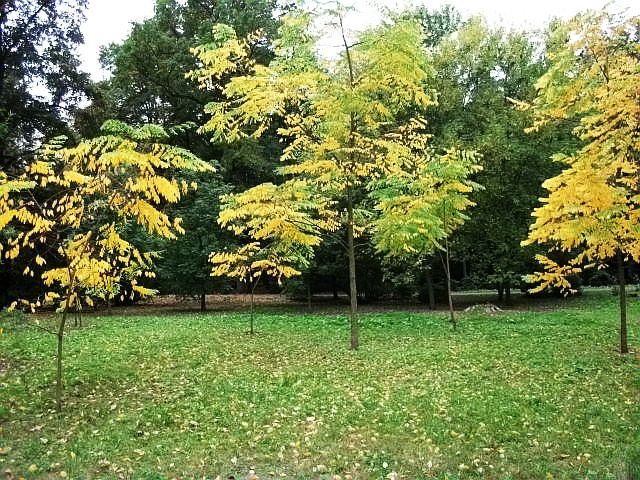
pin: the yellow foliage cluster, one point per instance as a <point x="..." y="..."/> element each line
<point x="593" y="205"/>
<point x="72" y="203"/>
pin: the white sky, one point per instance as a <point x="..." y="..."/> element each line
<point x="110" y="20"/>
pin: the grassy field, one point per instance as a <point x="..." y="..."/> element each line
<point x="517" y="395"/>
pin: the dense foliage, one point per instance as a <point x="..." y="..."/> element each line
<point x="40" y="83"/>
<point x="352" y="172"/>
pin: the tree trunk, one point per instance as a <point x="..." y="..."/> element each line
<point x="252" y="287"/>
<point x="500" y="292"/>
<point x="353" y="291"/>
<point x="309" y="296"/>
<point x="452" y="316"/>
<point x="60" y="336"/>
<point x="335" y="292"/>
<point x="431" y="296"/>
<point x="109" y="305"/>
<point x="251" y="321"/>
<point x="622" y="289"/>
<point x="507" y="293"/>
<point x="203" y="302"/>
<point x="464" y="269"/>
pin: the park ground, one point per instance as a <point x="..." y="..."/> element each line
<point x="527" y="393"/>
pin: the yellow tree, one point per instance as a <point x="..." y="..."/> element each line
<point x="281" y="223"/>
<point x="69" y="222"/>
<point x="593" y="206"/>
<point x="342" y="121"/>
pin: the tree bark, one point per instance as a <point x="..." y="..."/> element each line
<point x="353" y="291"/>
<point x="500" y="292"/>
<point x="431" y="297"/>
<point x="507" y="293"/>
<point x="622" y="292"/>
<point x="203" y="302"/>
<point x="452" y="316"/>
<point x="252" y="286"/>
<point x="60" y="336"/>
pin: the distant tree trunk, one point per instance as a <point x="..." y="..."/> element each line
<point x="507" y="293"/>
<point x="464" y="268"/>
<point x="353" y="291"/>
<point x="335" y="292"/>
<point x="309" y="296"/>
<point x="447" y="271"/>
<point x="622" y="289"/>
<point x="109" y="305"/>
<point x="252" y="287"/>
<point x="203" y="302"/>
<point x="431" y="297"/>
<point x="500" y="292"/>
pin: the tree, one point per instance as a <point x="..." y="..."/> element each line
<point x="343" y="125"/>
<point x="88" y="194"/>
<point x="479" y="69"/>
<point x="422" y="200"/>
<point x="183" y="266"/>
<point x="40" y="81"/>
<point x="280" y="221"/>
<point x="147" y="83"/>
<point x="593" y="205"/>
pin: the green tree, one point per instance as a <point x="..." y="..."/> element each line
<point x="40" y="80"/>
<point x="479" y="69"/>
<point x="593" y="206"/>
<point x="147" y="83"/>
<point x="183" y="266"/>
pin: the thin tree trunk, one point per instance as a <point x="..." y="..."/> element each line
<point x="203" y="302"/>
<point x="353" y="291"/>
<point x="500" y="292"/>
<point x="109" y="305"/>
<point x="622" y="289"/>
<point x="452" y="316"/>
<point x="60" y="336"/>
<point x="507" y="293"/>
<point x="309" y="296"/>
<point x="464" y="269"/>
<point x="431" y="296"/>
<point x="252" y="286"/>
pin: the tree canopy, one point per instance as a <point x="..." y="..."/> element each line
<point x="592" y="208"/>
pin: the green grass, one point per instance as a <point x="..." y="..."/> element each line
<point x="518" y="395"/>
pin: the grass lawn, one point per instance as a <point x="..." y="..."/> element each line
<point x="518" y="395"/>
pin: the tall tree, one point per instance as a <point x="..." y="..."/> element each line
<point x="593" y="205"/>
<point x="40" y="80"/>
<point x="344" y="125"/>
<point x="148" y="84"/>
